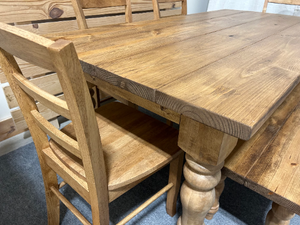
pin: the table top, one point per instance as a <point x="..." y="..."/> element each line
<point x="227" y="69"/>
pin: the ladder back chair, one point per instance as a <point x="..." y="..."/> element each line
<point x="132" y="145"/>
<point x="156" y="8"/>
<point x="79" y="5"/>
<point x="286" y="2"/>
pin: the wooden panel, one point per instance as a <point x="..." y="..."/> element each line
<point x="7" y="128"/>
<point x="229" y="53"/>
<point x="101" y="4"/>
<point x="117" y="93"/>
<point x="24" y="11"/>
<point x="49" y="83"/>
<point x="268" y="162"/>
<point x="69" y="25"/>
<point x="30" y="70"/>
<point x="235" y="167"/>
<point x="45" y="112"/>
<point x="276" y="173"/>
<point x="260" y="97"/>
<point x="288" y="2"/>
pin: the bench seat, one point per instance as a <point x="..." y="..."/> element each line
<point x="269" y="163"/>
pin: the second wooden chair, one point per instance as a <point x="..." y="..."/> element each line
<point x="79" y="5"/>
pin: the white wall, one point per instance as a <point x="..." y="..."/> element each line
<point x="196" y="6"/>
<point x="4" y="110"/>
<point x="253" y="5"/>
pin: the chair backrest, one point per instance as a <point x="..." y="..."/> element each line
<point x="61" y="57"/>
<point x="79" y="5"/>
<point x="286" y="2"/>
<point x="156" y="8"/>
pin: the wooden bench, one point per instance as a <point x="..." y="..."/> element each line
<point x="44" y="17"/>
<point x="269" y="163"/>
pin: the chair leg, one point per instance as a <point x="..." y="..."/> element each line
<point x="219" y="189"/>
<point x="52" y="201"/>
<point x="279" y="215"/>
<point x="175" y="173"/>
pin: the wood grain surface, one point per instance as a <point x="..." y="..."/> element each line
<point x="269" y="162"/>
<point x="44" y="17"/>
<point x="23" y="10"/>
<point x="227" y="69"/>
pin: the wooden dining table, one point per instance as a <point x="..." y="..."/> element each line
<point x="220" y="75"/>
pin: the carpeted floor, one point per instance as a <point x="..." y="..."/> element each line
<point x="22" y="198"/>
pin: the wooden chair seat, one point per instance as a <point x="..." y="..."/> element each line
<point x="118" y="146"/>
<point x="269" y="163"/>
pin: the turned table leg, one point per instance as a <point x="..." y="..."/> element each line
<point x="206" y="149"/>
<point x="218" y="189"/>
<point x="279" y="215"/>
<point x="198" y="191"/>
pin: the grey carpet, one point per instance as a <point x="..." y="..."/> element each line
<point x="22" y="199"/>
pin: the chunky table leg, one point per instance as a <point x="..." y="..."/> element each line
<point x="279" y="215"/>
<point x="219" y="189"/>
<point x="198" y="191"/>
<point x="206" y="149"/>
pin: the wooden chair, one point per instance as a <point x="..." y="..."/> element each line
<point x="269" y="163"/>
<point x="156" y="9"/>
<point x="79" y="5"/>
<point x="131" y="148"/>
<point x="286" y="2"/>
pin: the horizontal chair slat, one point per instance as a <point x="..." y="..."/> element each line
<point x="49" y="83"/>
<point x="145" y="204"/>
<point x="69" y="205"/>
<point x="28" y="70"/>
<point x="56" y="104"/>
<point x="62" y="139"/>
<point x="20" y="124"/>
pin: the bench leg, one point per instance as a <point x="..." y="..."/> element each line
<point x="219" y="189"/>
<point x="279" y="215"/>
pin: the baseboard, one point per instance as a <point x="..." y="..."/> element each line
<point x="15" y="142"/>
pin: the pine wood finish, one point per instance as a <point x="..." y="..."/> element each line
<point x="79" y="5"/>
<point x="156" y="7"/>
<point x="94" y="166"/>
<point x="268" y="162"/>
<point x="286" y="2"/>
<point x="59" y="16"/>
<point x="175" y="84"/>
<point x="221" y="90"/>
